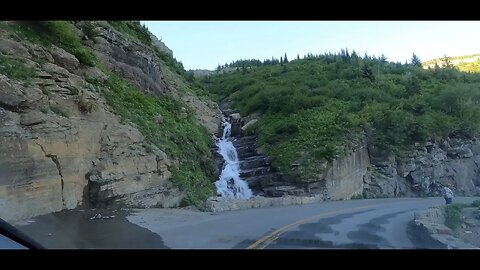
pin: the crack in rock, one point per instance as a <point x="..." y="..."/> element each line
<point x="54" y="158"/>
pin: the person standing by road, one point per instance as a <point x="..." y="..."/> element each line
<point x="447" y="194"/>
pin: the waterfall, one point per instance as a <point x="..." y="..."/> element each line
<point x="229" y="184"/>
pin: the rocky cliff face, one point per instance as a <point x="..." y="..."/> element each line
<point x="344" y="178"/>
<point x="424" y="170"/>
<point x="420" y="172"/>
<point x="130" y="59"/>
<point x="62" y="147"/>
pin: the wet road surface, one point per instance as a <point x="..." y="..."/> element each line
<point x="75" y="229"/>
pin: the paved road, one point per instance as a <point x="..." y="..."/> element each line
<point x="374" y="223"/>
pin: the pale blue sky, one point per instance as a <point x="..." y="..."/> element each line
<point x="206" y="44"/>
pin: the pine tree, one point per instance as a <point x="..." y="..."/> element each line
<point x="416" y="61"/>
<point x="367" y="72"/>
<point x="298" y="56"/>
<point x="285" y="59"/>
<point x="354" y="55"/>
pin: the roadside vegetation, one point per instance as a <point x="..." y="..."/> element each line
<point x="453" y="213"/>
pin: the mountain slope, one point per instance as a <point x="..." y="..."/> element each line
<point x="316" y="111"/>
<point x="90" y="115"/>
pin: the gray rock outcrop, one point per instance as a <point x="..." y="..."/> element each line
<point x="422" y="171"/>
<point x="429" y="227"/>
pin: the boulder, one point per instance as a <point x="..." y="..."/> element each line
<point x="64" y="59"/>
<point x="32" y="118"/>
<point x="235" y="116"/>
<point x="8" y="46"/>
<point x="249" y="124"/>
<point x="11" y="94"/>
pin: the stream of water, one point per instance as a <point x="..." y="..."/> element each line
<point x="229" y="184"/>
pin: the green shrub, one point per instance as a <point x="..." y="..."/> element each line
<point x="476" y="203"/>
<point x="453" y="213"/>
<point x="286" y="128"/>
<point x="15" y="68"/>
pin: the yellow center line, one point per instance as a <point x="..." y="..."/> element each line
<point x="275" y="234"/>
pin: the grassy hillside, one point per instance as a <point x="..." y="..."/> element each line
<point x="312" y="109"/>
<point x="183" y="140"/>
<point x="465" y="63"/>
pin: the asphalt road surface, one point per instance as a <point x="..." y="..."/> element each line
<point x="372" y="224"/>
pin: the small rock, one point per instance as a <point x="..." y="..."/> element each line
<point x="235" y="116"/>
<point x="468" y="232"/>
<point x="464" y="226"/>
<point x="32" y="118"/>
<point x="112" y="216"/>
<point x="49" y="234"/>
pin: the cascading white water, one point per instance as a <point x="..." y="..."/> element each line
<point x="229" y="184"/>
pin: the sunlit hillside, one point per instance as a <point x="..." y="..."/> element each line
<point x="466" y="63"/>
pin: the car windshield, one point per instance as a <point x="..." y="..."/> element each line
<point x="239" y="135"/>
